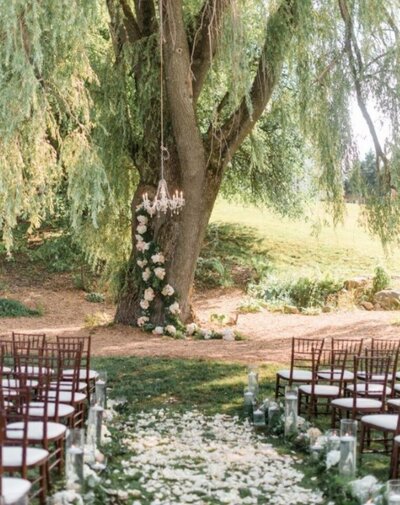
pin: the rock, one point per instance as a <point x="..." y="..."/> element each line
<point x="356" y="282"/>
<point x="377" y="306"/>
<point x="290" y="309"/>
<point x="388" y="299"/>
<point x="367" y="305"/>
<point x="327" y="308"/>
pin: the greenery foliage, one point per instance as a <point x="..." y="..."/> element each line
<point x="381" y="280"/>
<point x="303" y="292"/>
<point x="231" y="254"/>
<point x="13" y="308"/>
<point x="94" y="297"/>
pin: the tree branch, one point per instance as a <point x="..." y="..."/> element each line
<point x="123" y="26"/>
<point x="225" y="141"/>
<point x="130" y="23"/>
<point x="205" y="41"/>
<point x="146" y="16"/>
<point x="357" y="68"/>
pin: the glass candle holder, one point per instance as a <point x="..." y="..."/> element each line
<point x="74" y="459"/>
<point x="332" y="440"/>
<point x="249" y="400"/>
<point x="259" y="417"/>
<point x="393" y="492"/>
<point x="252" y="378"/>
<point x="348" y="448"/>
<point x="291" y="405"/>
<point x="273" y="415"/>
<point x="101" y="389"/>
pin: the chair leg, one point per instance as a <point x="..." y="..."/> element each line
<point x="277" y="386"/>
<point x="394" y="464"/>
<point x="362" y="438"/>
<point x="43" y="484"/>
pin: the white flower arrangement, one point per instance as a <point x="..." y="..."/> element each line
<point x="146" y="274"/>
<point x="159" y="272"/>
<point x="142" y="246"/>
<point x="365" y="487"/>
<point x="206" y="334"/>
<point x="141" y="263"/>
<point x="332" y="458"/>
<point x="191" y="328"/>
<point x="68" y="497"/>
<point x="142" y="219"/>
<point x="158" y="330"/>
<point x="142" y="228"/>
<point x="170" y="329"/>
<point x="142" y="321"/>
<point x="149" y="294"/>
<point x="158" y="258"/>
<point x="167" y="290"/>
<point x="174" y="308"/>
<point x="144" y="304"/>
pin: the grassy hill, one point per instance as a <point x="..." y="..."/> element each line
<point x="346" y="249"/>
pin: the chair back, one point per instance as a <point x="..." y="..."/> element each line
<point x="34" y="340"/>
<point x="305" y="353"/>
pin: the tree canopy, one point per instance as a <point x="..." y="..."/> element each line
<point x="271" y="87"/>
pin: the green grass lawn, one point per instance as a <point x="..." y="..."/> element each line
<point x="346" y="249"/>
<point x="211" y="388"/>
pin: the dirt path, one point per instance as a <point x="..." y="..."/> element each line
<point x="65" y="311"/>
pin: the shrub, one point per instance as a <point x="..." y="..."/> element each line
<point x="59" y="254"/>
<point x="13" y="308"/>
<point x="303" y="292"/>
<point x="94" y="297"/>
<point x="381" y="280"/>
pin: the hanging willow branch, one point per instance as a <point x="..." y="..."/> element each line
<point x="357" y="69"/>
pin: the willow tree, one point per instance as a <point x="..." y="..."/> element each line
<point x="79" y="108"/>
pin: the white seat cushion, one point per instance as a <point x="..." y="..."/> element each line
<point x="373" y="377"/>
<point x="67" y="386"/>
<point x="14" y="489"/>
<point x="36" y="370"/>
<point x="15" y="383"/>
<point x="335" y="375"/>
<point x="12" y="456"/>
<point x="398" y="375"/>
<point x="373" y="389"/>
<point x="384" y="421"/>
<point x="66" y="396"/>
<point x="397" y="439"/>
<point x="35" y="430"/>
<point x="394" y="402"/>
<point x="361" y="403"/>
<point x="320" y="390"/>
<point x="397" y="387"/>
<point x="297" y="375"/>
<point x="6" y="369"/>
<point x="82" y="374"/>
<point x="36" y="409"/>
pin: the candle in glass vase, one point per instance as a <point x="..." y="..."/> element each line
<point x="101" y="388"/>
<point x="259" y="417"/>
<point x="348" y="447"/>
<point x="273" y="415"/>
<point x="74" y="459"/>
<point x="291" y="405"/>
<point x="252" y="377"/>
<point x="393" y="492"/>
<point x="333" y="440"/>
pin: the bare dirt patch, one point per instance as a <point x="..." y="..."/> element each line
<point x="66" y="312"/>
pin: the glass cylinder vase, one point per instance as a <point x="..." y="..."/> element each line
<point x="249" y="401"/>
<point x="259" y="418"/>
<point x="252" y="378"/>
<point x="101" y="389"/>
<point x="393" y="492"/>
<point x="273" y="416"/>
<point x="291" y="406"/>
<point x="74" y="459"/>
<point x="348" y="447"/>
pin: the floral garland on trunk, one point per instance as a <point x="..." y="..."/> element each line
<point x="151" y="264"/>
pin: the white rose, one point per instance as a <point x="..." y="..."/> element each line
<point x="170" y="329"/>
<point x="167" y="290"/>
<point x="142" y="321"/>
<point x="149" y="294"/>
<point x="158" y="258"/>
<point x="142" y="219"/>
<point x="141" y="263"/>
<point x="146" y="274"/>
<point x="207" y="335"/>
<point x="142" y="246"/>
<point x="139" y="238"/>
<point x="228" y="335"/>
<point x="332" y="458"/>
<point x="158" y="330"/>
<point x="174" y="308"/>
<point x="191" y="328"/>
<point x="141" y="229"/>
<point x="159" y="272"/>
<point x="144" y="304"/>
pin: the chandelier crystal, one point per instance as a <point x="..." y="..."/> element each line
<point x="163" y="202"/>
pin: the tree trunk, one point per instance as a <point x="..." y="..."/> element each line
<point x="180" y="238"/>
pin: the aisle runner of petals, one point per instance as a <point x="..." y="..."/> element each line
<point x="191" y="458"/>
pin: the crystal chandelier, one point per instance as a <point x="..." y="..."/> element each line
<point x="163" y="202"/>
